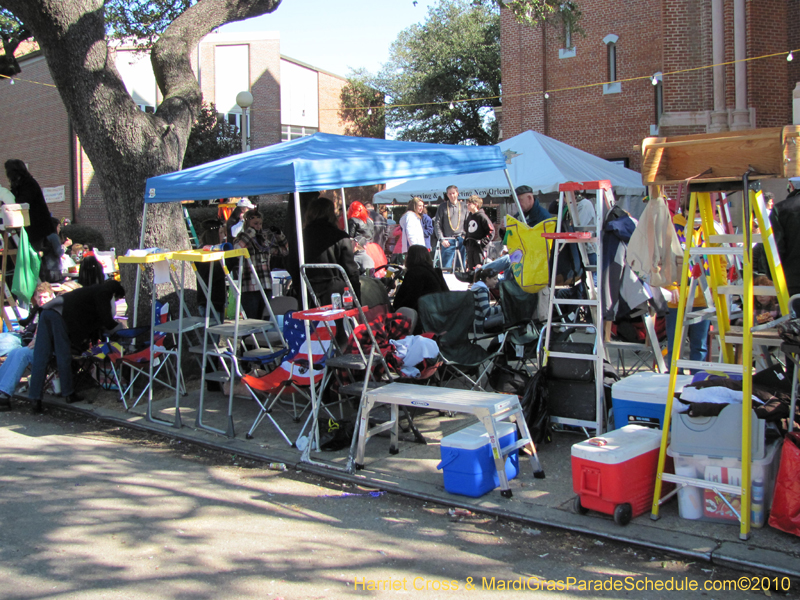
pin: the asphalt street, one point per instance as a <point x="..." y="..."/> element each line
<point x="90" y="510"/>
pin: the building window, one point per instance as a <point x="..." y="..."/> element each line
<point x="613" y="86"/>
<point x="568" y="51"/>
<point x="658" y="102"/>
<point x="147" y="108"/>
<point x="293" y="132"/>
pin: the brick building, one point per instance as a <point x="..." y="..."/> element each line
<point x="291" y="99"/>
<point x="648" y="39"/>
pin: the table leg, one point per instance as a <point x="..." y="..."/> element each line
<point x="499" y="459"/>
<point x="363" y="426"/>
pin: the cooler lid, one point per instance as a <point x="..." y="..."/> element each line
<point x="647" y="387"/>
<point x="475" y="436"/>
<point x="619" y="445"/>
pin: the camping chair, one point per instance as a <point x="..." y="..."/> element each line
<point x="293" y="374"/>
<point x="137" y="357"/>
<point x="522" y="333"/>
<point x="451" y="315"/>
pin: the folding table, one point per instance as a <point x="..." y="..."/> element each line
<point x="489" y="407"/>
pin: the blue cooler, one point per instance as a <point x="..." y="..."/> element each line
<point x="467" y="463"/>
<point x="641" y="398"/>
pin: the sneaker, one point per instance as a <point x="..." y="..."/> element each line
<point x="464" y="276"/>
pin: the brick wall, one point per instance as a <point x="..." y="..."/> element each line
<point x="654" y="36"/>
<point x="265" y="77"/>
<point x="35" y="129"/>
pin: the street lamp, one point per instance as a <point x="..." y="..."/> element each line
<point x="245" y="101"/>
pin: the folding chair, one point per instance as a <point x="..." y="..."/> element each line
<point x="519" y="310"/>
<point x="138" y="358"/>
<point x="294" y="374"/>
<point x="451" y="315"/>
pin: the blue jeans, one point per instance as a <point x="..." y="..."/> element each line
<point x="448" y="254"/>
<point x="51" y="336"/>
<point x="11" y="371"/>
<point x="698" y="337"/>
<point x="500" y="265"/>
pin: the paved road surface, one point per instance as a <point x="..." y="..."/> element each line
<point x="88" y="510"/>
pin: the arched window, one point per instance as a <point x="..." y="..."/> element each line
<point x="613" y="86"/>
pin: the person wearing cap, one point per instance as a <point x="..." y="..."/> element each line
<point x="236" y="222"/>
<point x="449" y="226"/>
<point x="533" y="212"/>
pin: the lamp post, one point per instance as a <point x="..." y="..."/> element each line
<point x="245" y="101"/>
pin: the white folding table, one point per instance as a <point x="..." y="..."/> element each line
<point x="489" y="407"/>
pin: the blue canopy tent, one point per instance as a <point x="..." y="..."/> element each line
<point x="318" y="162"/>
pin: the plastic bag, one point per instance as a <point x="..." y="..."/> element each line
<point x="530" y="253"/>
<point x="785" y="513"/>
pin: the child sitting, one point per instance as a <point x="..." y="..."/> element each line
<point x="488" y="317"/>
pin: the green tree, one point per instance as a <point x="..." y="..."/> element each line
<point x="362" y="111"/>
<point x="443" y="76"/>
<point x="211" y="138"/>
<point x="12" y="33"/>
<point x="124" y="144"/>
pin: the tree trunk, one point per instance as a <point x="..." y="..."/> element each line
<point x="124" y="144"/>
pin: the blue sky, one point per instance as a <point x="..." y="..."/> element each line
<point x="335" y="36"/>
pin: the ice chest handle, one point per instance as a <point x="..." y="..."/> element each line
<point x="16" y="215"/>
<point x="454" y="455"/>
<point x="595" y="473"/>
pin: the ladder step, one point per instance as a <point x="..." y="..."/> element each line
<point x="576" y="356"/>
<point x="738" y="290"/>
<point x="516" y="446"/>
<point x="710" y="366"/>
<point x="734" y="238"/>
<point x="220" y="376"/>
<point x="574" y="302"/>
<point x="355" y="389"/>
<point x="702" y="483"/>
<point x="717" y="251"/>
<point x="347" y="361"/>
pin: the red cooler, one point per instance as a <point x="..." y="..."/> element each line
<point x="615" y="474"/>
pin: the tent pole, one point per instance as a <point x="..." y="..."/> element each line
<point x="514" y="195"/>
<point x="344" y="211"/>
<point x="139" y="270"/>
<point x="301" y="255"/>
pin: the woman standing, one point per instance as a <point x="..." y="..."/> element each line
<point x="411" y="225"/>
<point x="261" y="245"/>
<point x="26" y="190"/>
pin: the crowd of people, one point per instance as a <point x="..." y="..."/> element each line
<point x="68" y="311"/>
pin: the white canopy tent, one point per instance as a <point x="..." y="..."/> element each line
<point x="532" y="159"/>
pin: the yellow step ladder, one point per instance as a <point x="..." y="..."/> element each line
<point x="714" y="248"/>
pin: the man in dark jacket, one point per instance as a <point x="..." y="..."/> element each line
<point x="325" y="243"/>
<point x="70" y="320"/>
<point x="785" y="220"/>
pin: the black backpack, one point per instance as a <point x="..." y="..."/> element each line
<point x="536" y="410"/>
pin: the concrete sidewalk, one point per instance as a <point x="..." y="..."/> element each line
<point x="413" y="472"/>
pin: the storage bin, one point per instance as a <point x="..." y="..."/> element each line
<point x="467" y="461"/>
<point x="641" y="398"/>
<point x="719" y="436"/>
<point x="16" y="215"/>
<point x="617" y="469"/>
<point x="702" y="504"/>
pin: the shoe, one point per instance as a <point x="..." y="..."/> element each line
<point x="464" y="276"/>
<point x="5" y="402"/>
<point x="37" y="408"/>
<point x="73" y="398"/>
